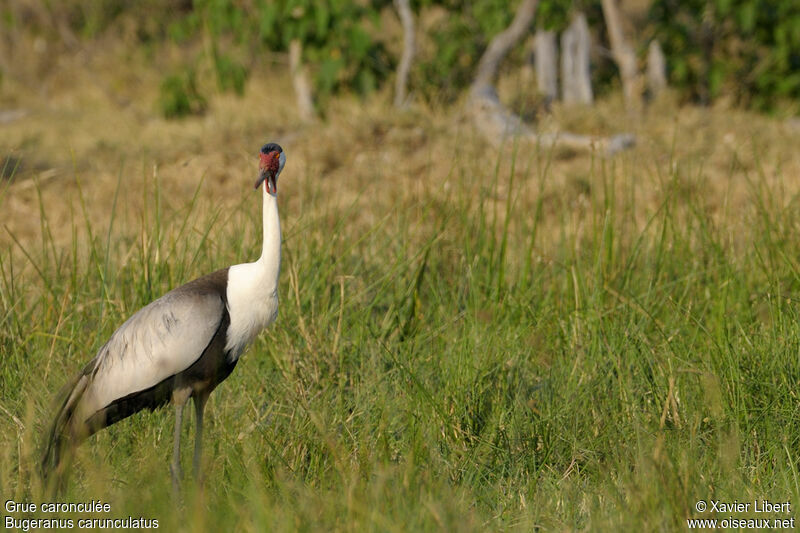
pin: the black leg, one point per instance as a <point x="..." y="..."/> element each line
<point x="199" y="405"/>
<point x="179" y="399"/>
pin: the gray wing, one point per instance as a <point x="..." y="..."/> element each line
<point x="162" y="339"/>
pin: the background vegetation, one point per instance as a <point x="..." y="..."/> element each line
<point x="744" y="50"/>
<point x="469" y="338"/>
<point x="748" y="51"/>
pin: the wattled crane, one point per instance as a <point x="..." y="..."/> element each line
<point x="180" y="346"/>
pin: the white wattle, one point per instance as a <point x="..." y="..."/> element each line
<point x="253" y="287"/>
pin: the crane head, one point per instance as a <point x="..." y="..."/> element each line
<point x="270" y="163"/>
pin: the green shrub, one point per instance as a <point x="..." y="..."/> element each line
<point x="337" y="37"/>
<point x="231" y="74"/>
<point x="744" y="49"/>
<point x="180" y="97"/>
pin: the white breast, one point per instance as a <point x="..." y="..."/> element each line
<point x="252" y="305"/>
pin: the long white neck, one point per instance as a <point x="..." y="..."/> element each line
<point x="253" y="287"/>
<point x="270" y="259"/>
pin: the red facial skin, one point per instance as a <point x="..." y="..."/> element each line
<point x="268" y="164"/>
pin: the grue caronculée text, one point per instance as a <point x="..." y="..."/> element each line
<point x="180" y="346"/>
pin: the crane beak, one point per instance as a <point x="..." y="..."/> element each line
<point x="269" y="177"/>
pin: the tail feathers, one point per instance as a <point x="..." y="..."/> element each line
<point x="65" y="432"/>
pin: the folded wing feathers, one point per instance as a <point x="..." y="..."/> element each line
<point x="159" y="341"/>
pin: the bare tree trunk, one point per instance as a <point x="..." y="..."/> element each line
<point x="576" y="82"/>
<point x="656" y="69"/>
<point x="491" y="118"/>
<point x="503" y="42"/>
<point x="624" y="56"/>
<point x="546" y="61"/>
<point x="496" y="123"/>
<point x="302" y="87"/>
<point x="407" y="19"/>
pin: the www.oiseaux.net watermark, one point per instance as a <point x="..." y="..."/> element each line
<point x="755" y="514"/>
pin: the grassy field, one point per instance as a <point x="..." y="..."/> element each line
<point x="469" y="338"/>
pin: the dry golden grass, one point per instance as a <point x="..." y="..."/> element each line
<point x="94" y="118"/>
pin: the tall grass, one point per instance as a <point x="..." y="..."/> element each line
<point x="465" y="362"/>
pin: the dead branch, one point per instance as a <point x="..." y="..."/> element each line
<point x="407" y="19"/>
<point x="498" y="124"/>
